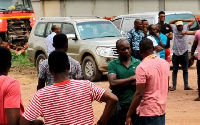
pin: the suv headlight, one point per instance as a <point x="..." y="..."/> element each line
<point x="104" y="51"/>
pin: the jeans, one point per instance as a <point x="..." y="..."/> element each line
<point x="119" y="116"/>
<point x="183" y="60"/>
<point x="198" y="76"/>
<point x="150" y="120"/>
<point x="136" y="54"/>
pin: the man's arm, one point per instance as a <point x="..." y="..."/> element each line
<point x="13" y="115"/>
<point x="140" y="88"/>
<point x="23" y="121"/>
<point x="111" y="101"/>
<point x="41" y="83"/>
<point x="194" y="46"/>
<point x="160" y="41"/>
<point x="190" y="33"/>
<point x="191" y="22"/>
<point x="112" y="78"/>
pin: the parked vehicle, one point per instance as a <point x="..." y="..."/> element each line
<point x="126" y="22"/>
<point x="92" y="42"/>
<point x="16" y="21"/>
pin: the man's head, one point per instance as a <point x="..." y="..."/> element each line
<point x="161" y="16"/>
<point x="123" y="48"/>
<point x="138" y="24"/>
<point x="60" y="42"/>
<point x="145" y="24"/>
<point x="5" y="62"/>
<point x="55" y="29"/>
<point x="179" y="25"/>
<point x="159" y="27"/>
<point x="58" y="62"/>
<point x="146" y="47"/>
<point x="152" y="29"/>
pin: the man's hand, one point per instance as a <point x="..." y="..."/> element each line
<point x="158" y="48"/>
<point x="158" y="35"/>
<point x="193" y="57"/>
<point x="128" y="120"/>
<point x="184" y="33"/>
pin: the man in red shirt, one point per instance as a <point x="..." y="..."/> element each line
<point x="67" y="101"/>
<point x="10" y="97"/>
<point x="152" y="81"/>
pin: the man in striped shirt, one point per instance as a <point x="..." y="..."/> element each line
<point x="60" y="42"/>
<point x="68" y="101"/>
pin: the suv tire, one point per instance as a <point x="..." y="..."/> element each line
<point x="41" y="57"/>
<point x="90" y="69"/>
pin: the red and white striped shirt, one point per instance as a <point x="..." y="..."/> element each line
<point x="68" y="102"/>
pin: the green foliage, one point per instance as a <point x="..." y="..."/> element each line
<point x="21" y="60"/>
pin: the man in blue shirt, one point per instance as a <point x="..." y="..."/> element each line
<point x="134" y="36"/>
<point x="161" y="40"/>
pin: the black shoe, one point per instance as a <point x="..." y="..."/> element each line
<point x="187" y="88"/>
<point x="197" y="99"/>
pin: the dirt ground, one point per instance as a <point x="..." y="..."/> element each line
<point x="181" y="109"/>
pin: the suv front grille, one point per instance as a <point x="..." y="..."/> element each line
<point x="114" y="49"/>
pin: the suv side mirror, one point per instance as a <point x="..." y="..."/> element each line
<point x="71" y="36"/>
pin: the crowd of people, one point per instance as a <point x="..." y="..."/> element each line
<point x="138" y="78"/>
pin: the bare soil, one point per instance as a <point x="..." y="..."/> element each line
<point x="181" y="109"/>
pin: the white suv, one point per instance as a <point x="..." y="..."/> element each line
<point x="92" y="42"/>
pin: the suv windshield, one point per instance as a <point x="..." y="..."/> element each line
<point x="195" y="26"/>
<point x="15" y="5"/>
<point x="97" y="29"/>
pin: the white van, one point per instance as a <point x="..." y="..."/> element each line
<point x="126" y="22"/>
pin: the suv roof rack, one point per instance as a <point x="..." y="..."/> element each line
<point x="85" y="16"/>
<point x="54" y="18"/>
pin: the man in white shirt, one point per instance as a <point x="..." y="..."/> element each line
<point x="49" y="40"/>
<point x="152" y="31"/>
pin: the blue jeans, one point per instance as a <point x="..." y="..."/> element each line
<point x="150" y="120"/>
<point x="183" y="60"/>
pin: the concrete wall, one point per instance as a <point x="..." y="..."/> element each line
<point x="110" y="7"/>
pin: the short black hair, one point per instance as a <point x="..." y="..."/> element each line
<point x="53" y="28"/>
<point x="150" y="27"/>
<point x="120" y="40"/>
<point x="136" y="21"/>
<point x="5" y="56"/>
<point x="59" y="40"/>
<point x="146" y="45"/>
<point x="144" y="20"/>
<point x="58" y="61"/>
<point x="161" y="12"/>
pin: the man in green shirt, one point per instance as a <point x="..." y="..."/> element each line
<point x="121" y="76"/>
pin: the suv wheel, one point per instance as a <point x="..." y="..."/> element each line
<point x="90" y="70"/>
<point x="40" y="58"/>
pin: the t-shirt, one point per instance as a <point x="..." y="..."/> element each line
<point x="74" y="71"/>
<point x="10" y="96"/>
<point x="68" y="102"/>
<point x="153" y="72"/>
<point x="166" y="28"/>
<point x="180" y="45"/>
<point x="154" y="44"/>
<point x="125" y="94"/>
<point x="164" y="41"/>
<point x="49" y="42"/>
<point x="197" y="39"/>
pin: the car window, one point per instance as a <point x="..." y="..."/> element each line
<point x="49" y="25"/>
<point x="48" y="30"/>
<point x="117" y="22"/>
<point x="40" y="29"/>
<point x="97" y="29"/>
<point x="195" y="26"/>
<point x="128" y="24"/>
<point x="68" y="29"/>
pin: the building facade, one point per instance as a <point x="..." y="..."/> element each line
<point x="110" y="7"/>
